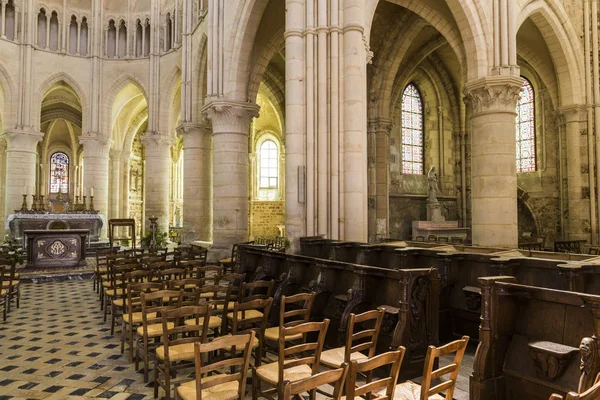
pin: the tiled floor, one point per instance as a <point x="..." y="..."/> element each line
<point x="56" y="346"/>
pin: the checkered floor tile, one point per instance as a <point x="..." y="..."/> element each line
<point x="56" y="346"/>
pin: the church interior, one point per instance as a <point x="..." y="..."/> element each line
<point x="374" y="199"/>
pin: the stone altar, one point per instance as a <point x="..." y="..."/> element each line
<point x="56" y="248"/>
<point x="18" y="223"/>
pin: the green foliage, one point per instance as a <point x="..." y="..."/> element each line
<point x="13" y="250"/>
<point x="161" y="239"/>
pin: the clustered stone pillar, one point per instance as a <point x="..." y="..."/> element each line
<point x="21" y="164"/>
<point x="158" y="164"/>
<point x="379" y="178"/>
<point x="96" y="150"/>
<point x="197" y="174"/>
<point x="492" y="102"/>
<point x="231" y="125"/>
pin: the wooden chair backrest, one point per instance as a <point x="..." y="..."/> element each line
<point x="257" y="290"/>
<point x="169" y="274"/>
<point x="366" y="338"/>
<point x="182" y="333"/>
<point x="392" y="358"/>
<point x="241" y="323"/>
<point x="235" y="280"/>
<point x="335" y="377"/>
<point x="220" y="298"/>
<point x="297" y="354"/>
<point x="458" y="346"/>
<point x="592" y="393"/>
<point x="134" y="291"/>
<point x="202" y="272"/>
<point x="236" y="362"/>
<point x="156" y="302"/>
<point x="298" y="315"/>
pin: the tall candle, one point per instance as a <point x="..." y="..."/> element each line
<point x="24" y="189"/>
<point x="92" y="192"/>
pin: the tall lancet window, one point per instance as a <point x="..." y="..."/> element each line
<point x="412" y="131"/>
<point x="269" y="165"/>
<point x="526" y="161"/>
<point x="59" y="173"/>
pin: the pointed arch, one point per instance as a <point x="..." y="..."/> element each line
<point x="111" y="95"/>
<point x="564" y="46"/>
<point x="40" y="93"/>
<point x="170" y="88"/>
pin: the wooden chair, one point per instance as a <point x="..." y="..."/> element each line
<point x="413" y="391"/>
<point x="383" y="388"/>
<point x="229" y="263"/>
<point x="165" y="275"/>
<point x="592" y="393"/>
<point x="101" y="267"/>
<point x="252" y="316"/>
<point x="10" y="282"/>
<point x="335" y="377"/>
<point x="151" y="327"/>
<point x="132" y="315"/>
<point x="257" y="290"/>
<point x="219" y="384"/>
<point x="178" y="342"/>
<point x="294" y="363"/>
<point x="117" y="294"/>
<point x="290" y="316"/>
<point x="220" y="298"/>
<point x="3" y="294"/>
<point x="366" y="338"/>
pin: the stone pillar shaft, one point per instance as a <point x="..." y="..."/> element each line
<point x="197" y="174"/>
<point x="230" y="121"/>
<point x="96" y="171"/>
<point x="21" y="165"/>
<point x="158" y="164"/>
<point x="115" y="189"/>
<point x="494" y="180"/>
<point x="572" y="117"/>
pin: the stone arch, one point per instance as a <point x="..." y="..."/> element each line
<point x="563" y="44"/>
<point x="169" y="87"/>
<point x="468" y="16"/>
<point x="200" y="74"/>
<point x="262" y="61"/>
<point x="110" y="96"/>
<point x="134" y="128"/>
<point x="542" y="70"/>
<point x="240" y="46"/>
<point x="8" y="105"/>
<point x="47" y="84"/>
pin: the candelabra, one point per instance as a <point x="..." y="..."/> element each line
<point x="24" y="205"/>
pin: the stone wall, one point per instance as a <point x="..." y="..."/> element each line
<point x="406" y="209"/>
<point x="264" y="218"/>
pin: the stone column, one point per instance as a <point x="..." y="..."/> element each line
<point x="197" y="175"/>
<point x="21" y="165"/>
<point x="492" y="102"/>
<point x="158" y="164"/>
<point x="577" y="212"/>
<point x="125" y="172"/>
<point x="96" y="150"/>
<point x="115" y="187"/>
<point x="231" y="123"/>
<point x="382" y="166"/>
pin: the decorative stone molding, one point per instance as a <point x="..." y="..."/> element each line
<point x="493" y="94"/>
<point x="231" y="116"/>
<point x="574" y="113"/>
<point x="21" y="140"/>
<point x="95" y="144"/>
<point x="157" y="143"/>
<point x="380" y="126"/>
<point x="186" y="129"/>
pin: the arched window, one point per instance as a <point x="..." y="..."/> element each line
<point x="59" y="173"/>
<point x="526" y="129"/>
<point x="269" y="165"/>
<point x="83" y="38"/>
<point x="412" y="131"/>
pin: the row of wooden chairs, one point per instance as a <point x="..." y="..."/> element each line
<point x="10" y="288"/>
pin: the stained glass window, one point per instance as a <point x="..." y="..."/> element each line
<point x="59" y="173"/>
<point x="269" y="165"/>
<point x="412" y="131"/>
<point x="526" y="129"/>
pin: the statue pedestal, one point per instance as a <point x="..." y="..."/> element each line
<point x="447" y="229"/>
<point x="434" y="212"/>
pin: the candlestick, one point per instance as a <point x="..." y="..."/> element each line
<point x="24" y="205"/>
<point x="34" y="203"/>
<point x="84" y="201"/>
<point x="92" y="202"/>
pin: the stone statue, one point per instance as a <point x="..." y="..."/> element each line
<point x="432" y="185"/>
<point x="588" y="366"/>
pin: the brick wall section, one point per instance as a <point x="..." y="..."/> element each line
<point x="264" y="218"/>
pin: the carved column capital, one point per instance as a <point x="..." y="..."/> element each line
<point x="155" y="142"/>
<point x="380" y="125"/>
<point x="574" y="113"/>
<point x="230" y="116"/>
<point x="493" y="94"/>
<point x="22" y="140"/>
<point x="186" y="129"/>
<point x="95" y="144"/>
